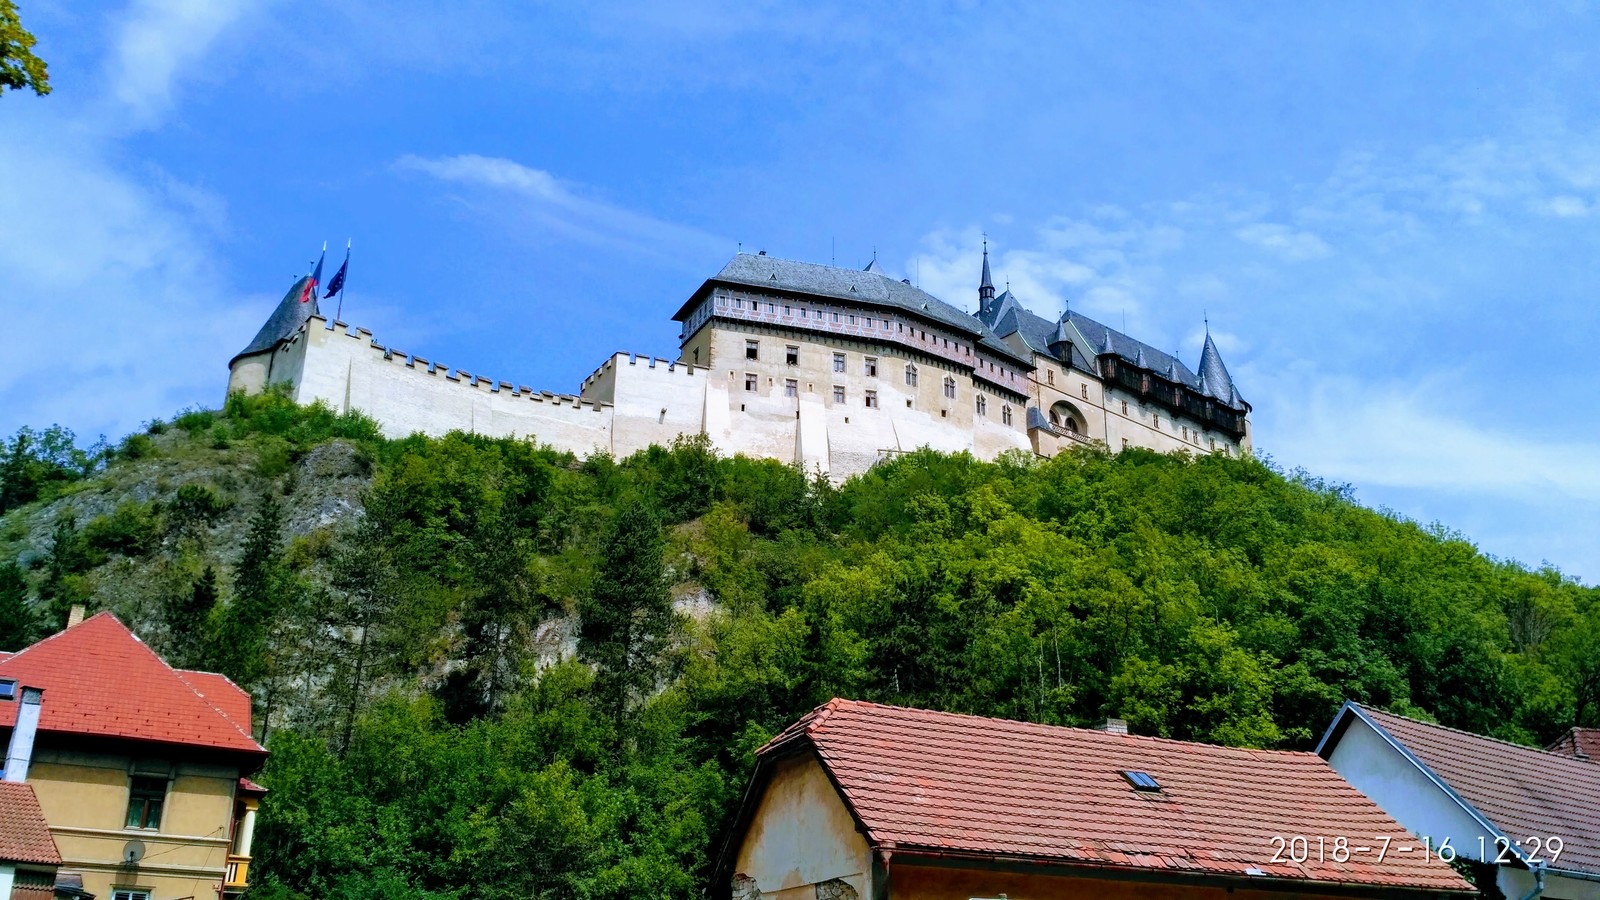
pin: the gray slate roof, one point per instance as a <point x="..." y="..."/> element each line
<point x="857" y="286"/>
<point x="284" y="321"/>
<point x="1008" y="316"/>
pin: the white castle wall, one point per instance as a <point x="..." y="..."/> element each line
<point x="631" y="402"/>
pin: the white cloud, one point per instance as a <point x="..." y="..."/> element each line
<point x="562" y="207"/>
<point x="1402" y="435"/>
<point x="1564" y="206"/>
<point x="1286" y="242"/>
<point x="158" y="41"/>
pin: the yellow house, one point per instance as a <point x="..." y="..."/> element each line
<point x="142" y="770"/>
<point x="859" y="800"/>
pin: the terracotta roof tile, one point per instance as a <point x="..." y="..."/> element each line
<point x="955" y="783"/>
<point x="1521" y="790"/>
<point x="99" y="679"/>
<point x="1579" y="743"/>
<point x="220" y="691"/>
<point x="24" y="836"/>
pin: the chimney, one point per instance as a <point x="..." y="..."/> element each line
<point x="76" y="615"/>
<point x="1113" y="726"/>
<point x="20" y="753"/>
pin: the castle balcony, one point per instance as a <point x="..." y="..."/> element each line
<point x="1037" y="421"/>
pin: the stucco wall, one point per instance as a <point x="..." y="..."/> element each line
<point x="85" y="799"/>
<point x="802" y="835"/>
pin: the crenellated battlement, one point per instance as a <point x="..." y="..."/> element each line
<point x="426" y="368"/>
<point x="640" y="361"/>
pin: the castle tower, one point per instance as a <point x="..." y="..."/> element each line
<point x="250" y="370"/>
<point x="1214" y="378"/>
<point x="986" y="285"/>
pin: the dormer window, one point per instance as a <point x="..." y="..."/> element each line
<point x="1142" y="782"/>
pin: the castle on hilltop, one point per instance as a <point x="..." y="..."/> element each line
<point x="828" y="368"/>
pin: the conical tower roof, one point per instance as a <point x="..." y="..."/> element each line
<point x="1214" y="378"/>
<point x="285" y="320"/>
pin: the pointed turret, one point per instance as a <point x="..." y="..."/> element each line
<point x="298" y="305"/>
<point x="1107" y="346"/>
<point x="1061" y="341"/>
<point x="1214" y="378"/>
<point x="986" y="284"/>
<point x="873" y="266"/>
<point x="1138" y="359"/>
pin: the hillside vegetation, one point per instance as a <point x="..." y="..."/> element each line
<point x="486" y="669"/>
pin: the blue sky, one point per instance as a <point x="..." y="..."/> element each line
<point x="1390" y="212"/>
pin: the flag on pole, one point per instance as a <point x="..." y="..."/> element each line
<point x="337" y="284"/>
<point x="309" y="293"/>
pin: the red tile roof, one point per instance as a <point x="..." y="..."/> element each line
<point x="917" y="779"/>
<point x="1521" y="790"/>
<point x="99" y="679"/>
<point x="1579" y="743"/>
<point x="24" y="836"/>
<point x="220" y="691"/>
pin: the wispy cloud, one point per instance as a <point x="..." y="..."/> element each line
<point x="159" y="41"/>
<point x="1289" y="243"/>
<point x="562" y="207"/>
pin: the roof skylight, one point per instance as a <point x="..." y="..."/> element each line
<point x="1141" y="781"/>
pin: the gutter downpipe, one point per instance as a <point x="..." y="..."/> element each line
<point x="1538" y="883"/>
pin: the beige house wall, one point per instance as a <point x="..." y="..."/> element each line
<point x="801" y="835"/>
<point x="85" y="799"/>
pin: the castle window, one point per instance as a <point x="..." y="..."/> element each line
<point x="739" y="303"/>
<point x="752" y="349"/>
<point x="1005" y="414"/>
<point x="983" y="405"/>
<point x="788" y="310"/>
<point x="1186" y="432"/>
<point x="790" y="388"/>
<point x="949" y="387"/>
<point x="749" y="381"/>
<point x="908" y="403"/>
<point x="1124" y="443"/>
<point x="838" y="362"/>
<point x="1158" y="422"/>
<point x="911" y="374"/>
<point x="1050" y="375"/>
<point x="769" y="307"/>
<point x="1213" y="445"/>
<point x="146" y="796"/>
<point x="872" y="399"/>
<point x="1124" y="407"/>
<point x="835" y="318"/>
<point x="852" y="320"/>
<point x="1084" y="389"/>
<point x="791" y="355"/>
<point x="838" y="393"/>
<point x="697" y="355"/>
<point x="802" y="312"/>
<point x="870" y="367"/>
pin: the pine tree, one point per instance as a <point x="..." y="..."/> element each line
<point x="627" y="617"/>
<point x="187" y="617"/>
<point x="240" y="640"/>
<point x="63" y="587"/>
<point x="16" y="618"/>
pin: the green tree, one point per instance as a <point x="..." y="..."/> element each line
<point x="16" y="618"/>
<point x="19" y="68"/>
<point x="239" y="640"/>
<point x="627" y="617"/>
<point x="186" y="616"/>
<point x="64" y="585"/>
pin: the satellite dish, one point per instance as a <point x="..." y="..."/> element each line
<point x="133" y="851"/>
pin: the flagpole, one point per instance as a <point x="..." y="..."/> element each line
<point x="339" y="310"/>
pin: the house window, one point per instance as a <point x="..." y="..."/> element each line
<point x="790" y="388"/>
<point x="911" y="374"/>
<point x="983" y="405"/>
<point x="838" y="393"/>
<point x="1005" y="413"/>
<point x="749" y="381"/>
<point x="1050" y="375"/>
<point x="146" y="796"/>
<point x="870" y="366"/>
<point x="130" y="895"/>
<point x="752" y="349"/>
<point x="838" y="362"/>
<point x="949" y="387"/>
<point x="872" y="399"/>
<point x="791" y="355"/>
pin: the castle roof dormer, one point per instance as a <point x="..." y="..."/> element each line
<point x="291" y="313"/>
<point x="1214" y="378"/>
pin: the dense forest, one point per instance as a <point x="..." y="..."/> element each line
<point x="486" y="669"/>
